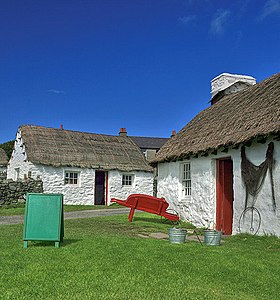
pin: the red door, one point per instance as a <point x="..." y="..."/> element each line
<point x="224" y="193"/>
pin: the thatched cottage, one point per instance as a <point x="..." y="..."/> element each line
<point x="87" y="168"/>
<point x="3" y="160"/>
<point x="223" y="168"/>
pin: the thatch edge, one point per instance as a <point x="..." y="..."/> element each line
<point x="189" y="155"/>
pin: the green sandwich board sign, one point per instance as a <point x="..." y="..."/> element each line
<point x="43" y="218"/>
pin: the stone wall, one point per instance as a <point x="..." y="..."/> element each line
<point x="3" y="175"/>
<point x="13" y="192"/>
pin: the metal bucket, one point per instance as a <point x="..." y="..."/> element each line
<point x="177" y="235"/>
<point x="212" y="237"/>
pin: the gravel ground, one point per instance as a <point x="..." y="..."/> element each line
<point x="9" y="220"/>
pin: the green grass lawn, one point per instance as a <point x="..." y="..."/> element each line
<point x="18" y="209"/>
<point x="104" y="258"/>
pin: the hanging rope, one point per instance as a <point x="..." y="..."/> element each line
<point x="253" y="176"/>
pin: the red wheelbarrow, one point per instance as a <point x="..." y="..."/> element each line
<point x="148" y="204"/>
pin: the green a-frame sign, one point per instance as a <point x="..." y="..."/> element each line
<point x="43" y="218"/>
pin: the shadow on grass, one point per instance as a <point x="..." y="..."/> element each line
<point x="149" y="220"/>
<point x="65" y="242"/>
<point x="164" y="221"/>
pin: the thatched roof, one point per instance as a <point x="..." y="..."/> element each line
<point x="234" y="119"/>
<point x="59" y="147"/>
<point x="3" y="158"/>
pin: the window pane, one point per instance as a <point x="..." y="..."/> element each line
<point x="71" y="177"/>
<point x="186" y="182"/>
<point x="127" y="180"/>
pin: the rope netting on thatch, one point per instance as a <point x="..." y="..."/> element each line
<point x="253" y="176"/>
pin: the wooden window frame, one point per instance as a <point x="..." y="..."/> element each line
<point x="186" y="180"/>
<point x="71" y="178"/>
<point x="127" y="180"/>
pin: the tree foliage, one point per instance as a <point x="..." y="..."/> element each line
<point x="8" y="147"/>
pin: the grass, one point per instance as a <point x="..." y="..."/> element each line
<point x="18" y="209"/>
<point x="104" y="258"/>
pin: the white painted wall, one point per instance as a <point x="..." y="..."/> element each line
<point x="270" y="220"/>
<point x="18" y="160"/>
<point x="200" y="207"/>
<point x="142" y="184"/>
<point x="83" y="193"/>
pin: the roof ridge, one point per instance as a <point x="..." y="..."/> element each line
<point x="69" y="130"/>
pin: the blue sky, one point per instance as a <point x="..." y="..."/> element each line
<point x="100" y="65"/>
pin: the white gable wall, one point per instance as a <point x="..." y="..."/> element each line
<point x="83" y="193"/>
<point x="18" y="166"/>
<point x="200" y="207"/>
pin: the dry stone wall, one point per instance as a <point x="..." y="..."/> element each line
<point x="3" y="175"/>
<point x="13" y="192"/>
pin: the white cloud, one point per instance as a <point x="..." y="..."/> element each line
<point x="270" y="7"/>
<point x="52" y="91"/>
<point x="219" y="21"/>
<point x="187" y="19"/>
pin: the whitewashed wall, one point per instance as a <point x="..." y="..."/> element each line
<point x="270" y="220"/>
<point x="200" y="208"/>
<point x="18" y="160"/>
<point x="83" y="193"/>
<point x="53" y="178"/>
<point x="142" y="184"/>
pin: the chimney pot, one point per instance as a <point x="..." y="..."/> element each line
<point x="61" y="126"/>
<point x="122" y="132"/>
<point x="173" y="133"/>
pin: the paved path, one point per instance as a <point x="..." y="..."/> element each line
<point x="9" y="220"/>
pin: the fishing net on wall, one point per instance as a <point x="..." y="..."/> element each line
<point x="253" y="177"/>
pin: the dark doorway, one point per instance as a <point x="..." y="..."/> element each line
<point x="224" y="194"/>
<point x="99" y="188"/>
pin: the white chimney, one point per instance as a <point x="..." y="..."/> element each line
<point x="230" y="83"/>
